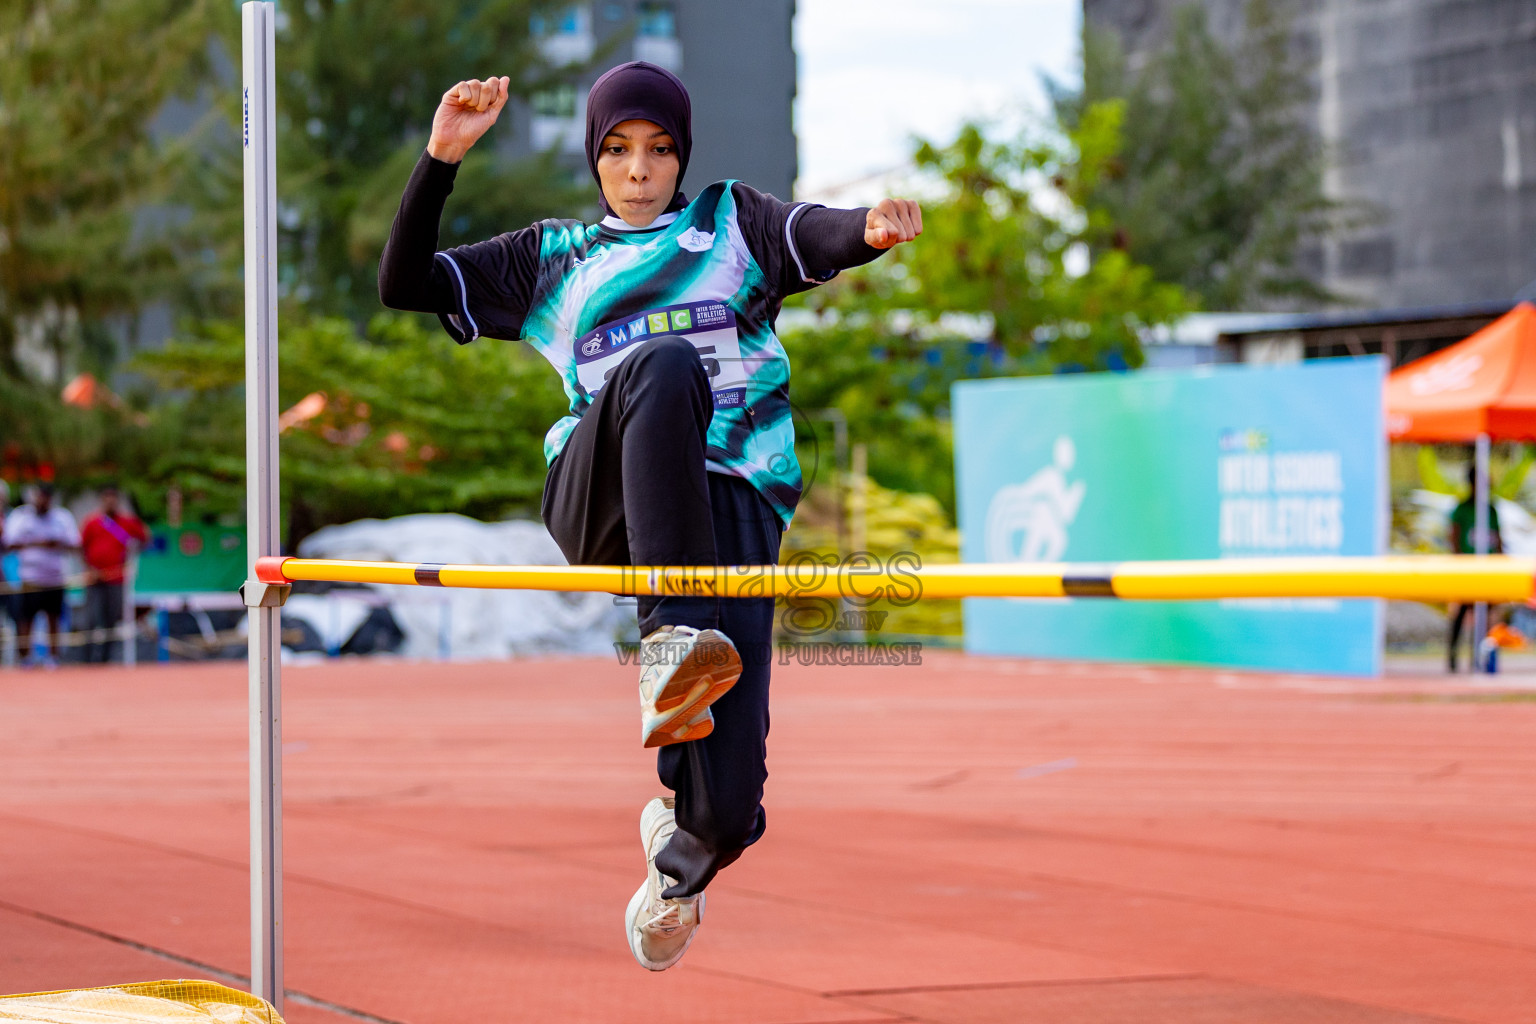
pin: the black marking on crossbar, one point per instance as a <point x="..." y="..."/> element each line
<point x="1099" y="582"/>
<point x="429" y="574"/>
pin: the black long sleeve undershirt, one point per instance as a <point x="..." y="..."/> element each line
<point x="831" y="240"/>
<point x="411" y="278"/>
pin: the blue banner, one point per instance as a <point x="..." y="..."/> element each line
<point x="1220" y="462"/>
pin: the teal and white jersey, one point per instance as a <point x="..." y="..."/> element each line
<point x="591" y="295"/>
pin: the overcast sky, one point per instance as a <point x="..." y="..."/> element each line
<point x="875" y="72"/>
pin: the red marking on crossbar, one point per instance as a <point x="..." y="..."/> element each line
<point x="269" y="569"/>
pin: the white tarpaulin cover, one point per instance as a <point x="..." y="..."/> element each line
<point x="479" y="623"/>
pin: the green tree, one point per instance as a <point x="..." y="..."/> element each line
<point x="356" y="87"/>
<point x="1218" y="184"/>
<point x="405" y="421"/>
<point x="1002" y="281"/>
<point x="41" y="435"/>
<point x="79" y="164"/>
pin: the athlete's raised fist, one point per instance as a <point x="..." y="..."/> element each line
<point x="466" y="112"/>
<point x="892" y="221"/>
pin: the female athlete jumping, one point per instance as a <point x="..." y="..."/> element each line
<point x="679" y="446"/>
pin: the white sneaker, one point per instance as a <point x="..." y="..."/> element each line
<point x="660" y="929"/>
<point x="684" y="670"/>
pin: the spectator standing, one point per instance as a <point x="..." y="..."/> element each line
<point x="10" y="566"/>
<point x="1463" y="542"/>
<point x="107" y="538"/>
<point x="42" y="535"/>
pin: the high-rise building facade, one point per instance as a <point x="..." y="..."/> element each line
<point x="737" y="58"/>
<point x="1428" y="108"/>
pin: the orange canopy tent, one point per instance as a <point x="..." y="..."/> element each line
<point x="1480" y="390"/>
<point x="1484" y="385"/>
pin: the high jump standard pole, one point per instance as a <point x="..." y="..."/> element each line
<point x="263" y="601"/>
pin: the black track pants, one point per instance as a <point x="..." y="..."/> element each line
<point x="630" y="488"/>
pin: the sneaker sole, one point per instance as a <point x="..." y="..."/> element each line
<point x="712" y="654"/>
<point x="709" y="671"/>
<point x="667" y="729"/>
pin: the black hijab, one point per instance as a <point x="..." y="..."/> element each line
<point x="639" y="91"/>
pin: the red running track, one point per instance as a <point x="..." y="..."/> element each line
<point x="976" y="841"/>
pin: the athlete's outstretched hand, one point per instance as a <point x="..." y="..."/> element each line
<point x="892" y="221"/>
<point x="467" y="112"/>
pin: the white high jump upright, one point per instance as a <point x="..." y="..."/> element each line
<point x="1482" y="540"/>
<point x="258" y="119"/>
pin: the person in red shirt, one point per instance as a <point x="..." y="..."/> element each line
<point x="105" y="541"/>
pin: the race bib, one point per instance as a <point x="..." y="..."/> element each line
<point x="709" y="326"/>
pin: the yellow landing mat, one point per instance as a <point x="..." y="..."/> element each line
<point x="148" y="1002"/>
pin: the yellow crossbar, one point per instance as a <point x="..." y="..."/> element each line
<point x="1492" y="578"/>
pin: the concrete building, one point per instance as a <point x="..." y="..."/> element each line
<point x="736" y="58"/>
<point x="1429" y="111"/>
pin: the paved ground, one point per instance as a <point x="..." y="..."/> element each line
<point x="977" y="841"/>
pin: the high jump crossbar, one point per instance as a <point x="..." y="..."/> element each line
<point x="1460" y="578"/>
